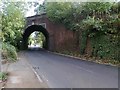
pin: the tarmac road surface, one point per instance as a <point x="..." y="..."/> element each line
<point x="64" y="72"/>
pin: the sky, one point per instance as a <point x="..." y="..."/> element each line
<point x="31" y="12"/>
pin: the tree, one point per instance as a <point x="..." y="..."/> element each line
<point x="12" y="22"/>
<point x="40" y="8"/>
<point x="37" y="38"/>
<point x="95" y="20"/>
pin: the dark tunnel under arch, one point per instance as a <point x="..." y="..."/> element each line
<point x="30" y="29"/>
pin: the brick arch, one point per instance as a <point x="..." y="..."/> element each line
<point x="59" y="38"/>
<point x="30" y="29"/>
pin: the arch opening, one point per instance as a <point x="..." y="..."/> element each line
<point x="36" y="40"/>
<point x="38" y="30"/>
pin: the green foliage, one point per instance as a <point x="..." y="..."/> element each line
<point x="61" y="13"/>
<point x="3" y="76"/>
<point x="97" y="20"/>
<point x="56" y="11"/>
<point x="103" y="32"/>
<point x="105" y="47"/>
<point x="9" y="52"/>
<point x="37" y="39"/>
<point x="12" y="23"/>
<point x="83" y="42"/>
<point x="41" y="9"/>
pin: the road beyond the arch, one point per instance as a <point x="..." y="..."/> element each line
<point x="64" y="72"/>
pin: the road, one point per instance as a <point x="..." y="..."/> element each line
<point x="64" y="72"/>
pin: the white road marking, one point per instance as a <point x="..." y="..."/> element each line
<point x="37" y="75"/>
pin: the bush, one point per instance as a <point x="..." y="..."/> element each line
<point x="9" y="52"/>
<point x="3" y="76"/>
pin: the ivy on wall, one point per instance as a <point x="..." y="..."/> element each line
<point x="96" y="20"/>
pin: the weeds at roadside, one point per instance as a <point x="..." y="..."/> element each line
<point x="3" y="76"/>
<point x="93" y="59"/>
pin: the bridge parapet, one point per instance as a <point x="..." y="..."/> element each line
<point x="36" y="20"/>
